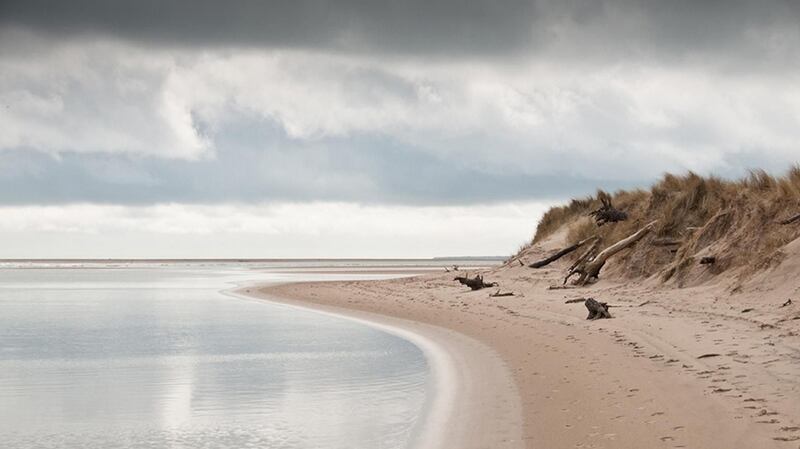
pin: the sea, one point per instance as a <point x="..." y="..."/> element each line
<point x="160" y="354"/>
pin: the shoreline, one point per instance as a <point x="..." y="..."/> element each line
<point x="468" y="377"/>
<point x="635" y="381"/>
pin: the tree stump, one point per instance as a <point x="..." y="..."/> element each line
<point x="579" y="266"/>
<point x="475" y="283"/>
<point x="597" y="309"/>
<point x="607" y="213"/>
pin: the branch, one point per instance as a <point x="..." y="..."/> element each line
<point x="499" y="294"/>
<point x="579" y="266"/>
<point x="561" y="253"/>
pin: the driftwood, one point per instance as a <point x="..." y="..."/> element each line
<point x="561" y="253"/>
<point x="607" y="213"/>
<point x="597" y="309"/>
<point x="499" y="294"/>
<point x="790" y="220"/>
<point x="575" y="301"/>
<point x="579" y="266"/>
<point x="708" y="260"/>
<point x="475" y="283"/>
<point x="593" y="266"/>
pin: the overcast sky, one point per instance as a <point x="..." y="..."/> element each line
<point x="364" y="128"/>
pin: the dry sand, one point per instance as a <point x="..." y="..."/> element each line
<point x="636" y="381"/>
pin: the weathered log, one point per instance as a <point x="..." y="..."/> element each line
<point x="597" y="309"/>
<point x="574" y="301"/>
<point x="475" y="283"/>
<point x="594" y="266"/>
<point x="790" y="220"/>
<point x="561" y="253"/>
<point x="607" y="213"/>
<point x="560" y="287"/>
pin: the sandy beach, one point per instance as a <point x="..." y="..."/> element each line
<point x="674" y="368"/>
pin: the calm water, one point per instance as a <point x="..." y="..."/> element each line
<point x="157" y="357"/>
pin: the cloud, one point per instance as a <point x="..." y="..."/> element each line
<point x="89" y="98"/>
<point x="736" y="32"/>
<point x="169" y="122"/>
<point x="316" y="229"/>
<point x="113" y="122"/>
<point x="115" y="105"/>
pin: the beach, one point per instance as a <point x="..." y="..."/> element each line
<point x="674" y="368"/>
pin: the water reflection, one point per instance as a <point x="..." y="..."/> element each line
<point x="146" y="358"/>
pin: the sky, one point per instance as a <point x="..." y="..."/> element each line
<point x="358" y="128"/>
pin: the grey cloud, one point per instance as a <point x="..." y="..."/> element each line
<point x="161" y="119"/>
<point x="414" y="26"/>
<point x="597" y="30"/>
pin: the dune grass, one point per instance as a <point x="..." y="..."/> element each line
<point x="736" y="220"/>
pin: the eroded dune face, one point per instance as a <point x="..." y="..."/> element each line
<point x="740" y="230"/>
